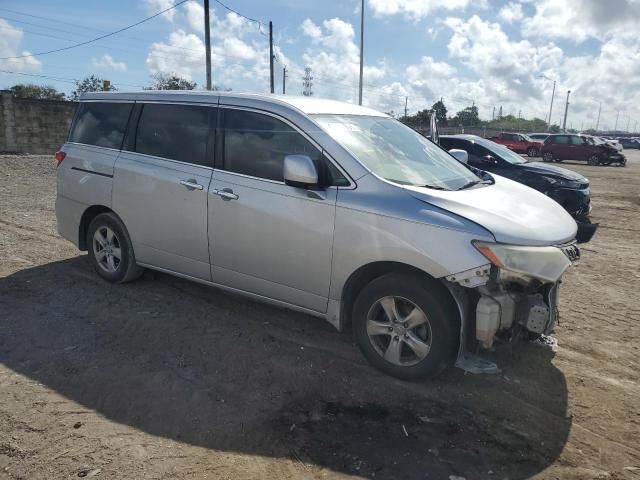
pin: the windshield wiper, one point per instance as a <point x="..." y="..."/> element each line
<point x="474" y="182"/>
<point x="433" y="187"/>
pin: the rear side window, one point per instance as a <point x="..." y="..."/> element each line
<point x="256" y="144"/>
<point x="176" y="132"/>
<point x="563" y="139"/>
<point x="101" y="124"/>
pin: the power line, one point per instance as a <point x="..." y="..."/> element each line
<point x="238" y="13"/>
<point x="97" y="38"/>
<point x="59" y="79"/>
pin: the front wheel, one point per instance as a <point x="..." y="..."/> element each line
<point x="594" y="160"/>
<point x="406" y="325"/>
<point x="110" y="249"/>
<point x="532" y="152"/>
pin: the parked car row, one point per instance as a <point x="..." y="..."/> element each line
<point x="593" y="150"/>
<point x="519" y="143"/>
<point x="627" y="142"/>
<point x="328" y="208"/>
<point x="568" y="188"/>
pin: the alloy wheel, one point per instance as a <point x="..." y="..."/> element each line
<point x="399" y="330"/>
<point x="106" y="248"/>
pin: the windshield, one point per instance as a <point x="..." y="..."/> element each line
<point x="527" y="138"/>
<point x="500" y="151"/>
<point x="395" y="152"/>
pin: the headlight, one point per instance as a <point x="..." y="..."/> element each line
<point x="560" y="182"/>
<point x="544" y="263"/>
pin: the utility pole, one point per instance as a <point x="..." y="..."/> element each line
<point x="493" y="115"/>
<point x="615" y="129"/>
<point x="207" y="42"/>
<point x="628" y="123"/>
<point x="635" y="127"/>
<point x="284" y="79"/>
<point x="406" y="101"/>
<point x="598" y="121"/>
<point x="566" y="111"/>
<point x="553" y="93"/>
<point x="361" y="50"/>
<point x="271" y="55"/>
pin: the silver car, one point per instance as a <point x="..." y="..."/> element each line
<point x="328" y="208"/>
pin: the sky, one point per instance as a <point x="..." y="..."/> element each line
<point x="488" y="53"/>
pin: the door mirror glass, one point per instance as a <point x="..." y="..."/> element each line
<point x="461" y="155"/>
<point x="300" y="171"/>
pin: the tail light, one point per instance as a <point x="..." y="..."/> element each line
<point x="60" y="156"/>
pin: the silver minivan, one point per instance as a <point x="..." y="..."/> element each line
<point x="328" y="208"/>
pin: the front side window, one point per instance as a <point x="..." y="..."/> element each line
<point x="101" y="124"/>
<point x="395" y="152"/>
<point x="256" y="144"/>
<point x="575" y="140"/>
<point x="500" y="151"/>
<point x="176" y="132"/>
<point x="561" y="139"/>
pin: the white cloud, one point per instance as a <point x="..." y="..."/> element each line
<point x="182" y="54"/>
<point x="578" y="20"/>
<point x="334" y="58"/>
<point x="106" y="62"/>
<point x="511" y="12"/>
<point x="10" y="41"/>
<point x="155" y="6"/>
<point x="418" y="9"/>
<point x="310" y="29"/>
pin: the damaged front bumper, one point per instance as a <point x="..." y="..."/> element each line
<point x="510" y="296"/>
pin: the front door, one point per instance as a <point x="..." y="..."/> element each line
<point x="160" y="187"/>
<point x="266" y="237"/>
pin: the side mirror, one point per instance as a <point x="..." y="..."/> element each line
<point x="461" y="155"/>
<point x="300" y="171"/>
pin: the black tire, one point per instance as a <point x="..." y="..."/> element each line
<point x="547" y="157"/>
<point x="441" y="326"/>
<point x="532" y="152"/>
<point x="126" y="269"/>
<point x="594" y="160"/>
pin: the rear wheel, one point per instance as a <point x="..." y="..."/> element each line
<point x="406" y="325"/>
<point x="110" y="249"/>
<point x="532" y="152"/>
<point x="547" y="157"/>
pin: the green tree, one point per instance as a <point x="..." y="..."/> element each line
<point x="441" y="113"/>
<point x="29" y="90"/>
<point x="90" y="84"/>
<point x="467" y="117"/>
<point x="162" y="81"/>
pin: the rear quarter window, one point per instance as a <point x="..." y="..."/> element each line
<point x="101" y="124"/>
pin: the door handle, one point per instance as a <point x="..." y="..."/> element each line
<point x="226" y="194"/>
<point x="191" y="184"/>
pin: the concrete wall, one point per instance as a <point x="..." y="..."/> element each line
<point x="33" y="126"/>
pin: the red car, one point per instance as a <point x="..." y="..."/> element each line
<point x="519" y="143"/>
<point x="580" y="147"/>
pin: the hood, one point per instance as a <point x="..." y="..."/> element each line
<point x="512" y="212"/>
<point x="553" y="170"/>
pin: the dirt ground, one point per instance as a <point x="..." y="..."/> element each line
<point x="162" y="378"/>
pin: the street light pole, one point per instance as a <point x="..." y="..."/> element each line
<point x="207" y="42"/>
<point x="553" y="93"/>
<point x="566" y="110"/>
<point x="598" y="121"/>
<point x="361" y="50"/>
